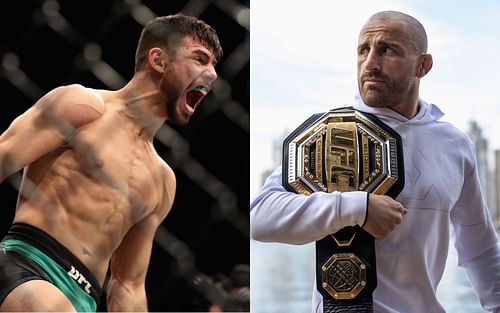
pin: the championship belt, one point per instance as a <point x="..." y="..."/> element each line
<point x="344" y="150"/>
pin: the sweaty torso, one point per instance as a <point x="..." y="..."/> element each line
<point x="93" y="189"/>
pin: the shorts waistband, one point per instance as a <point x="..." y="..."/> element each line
<point x="59" y="254"/>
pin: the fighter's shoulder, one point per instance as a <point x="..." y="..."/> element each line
<point x="75" y="93"/>
<point x="452" y="140"/>
<point x="451" y="133"/>
<point x="75" y="103"/>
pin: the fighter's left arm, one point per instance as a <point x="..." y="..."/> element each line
<point x="129" y="264"/>
<point x="126" y="288"/>
<point x="477" y="242"/>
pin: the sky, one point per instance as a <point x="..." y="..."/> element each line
<point x="303" y="61"/>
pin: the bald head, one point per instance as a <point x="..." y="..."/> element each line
<point x="414" y="28"/>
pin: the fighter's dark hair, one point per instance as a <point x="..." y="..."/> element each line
<point x="167" y="31"/>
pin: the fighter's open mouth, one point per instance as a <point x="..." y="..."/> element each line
<point x="194" y="96"/>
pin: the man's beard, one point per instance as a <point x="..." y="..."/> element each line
<point x="396" y="91"/>
<point x="173" y="91"/>
<point x="174" y="116"/>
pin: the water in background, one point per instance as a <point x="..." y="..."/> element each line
<point x="282" y="278"/>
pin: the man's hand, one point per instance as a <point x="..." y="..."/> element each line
<point x="384" y="214"/>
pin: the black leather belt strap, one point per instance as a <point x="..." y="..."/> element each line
<point x="363" y="247"/>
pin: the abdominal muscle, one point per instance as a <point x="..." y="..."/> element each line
<point x="88" y="215"/>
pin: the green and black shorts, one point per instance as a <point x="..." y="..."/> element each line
<point x="28" y="253"/>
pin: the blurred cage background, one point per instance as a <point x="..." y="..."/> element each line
<point x="201" y="251"/>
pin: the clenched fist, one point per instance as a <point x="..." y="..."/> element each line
<point x="384" y="214"/>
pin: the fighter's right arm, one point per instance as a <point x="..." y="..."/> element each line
<point x="51" y="122"/>
<point x="384" y="215"/>
<point x="280" y="216"/>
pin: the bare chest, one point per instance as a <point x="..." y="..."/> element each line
<point x="123" y="167"/>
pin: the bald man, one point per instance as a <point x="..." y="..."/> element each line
<point x="442" y="187"/>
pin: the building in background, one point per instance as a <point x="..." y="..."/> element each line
<point x="496" y="171"/>
<point x="489" y="176"/>
<point x="276" y="155"/>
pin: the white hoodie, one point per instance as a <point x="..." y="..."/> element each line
<point x="441" y="188"/>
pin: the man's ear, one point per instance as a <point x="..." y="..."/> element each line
<point x="156" y="59"/>
<point x="425" y="65"/>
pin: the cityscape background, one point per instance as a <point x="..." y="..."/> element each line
<point x="303" y="61"/>
<point x="488" y="174"/>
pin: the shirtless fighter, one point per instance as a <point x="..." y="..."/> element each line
<point x="94" y="190"/>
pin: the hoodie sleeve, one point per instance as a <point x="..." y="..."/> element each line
<point x="476" y="240"/>
<point x="277" y="215"/>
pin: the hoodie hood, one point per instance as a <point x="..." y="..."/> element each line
<point x="427" y="112"/>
